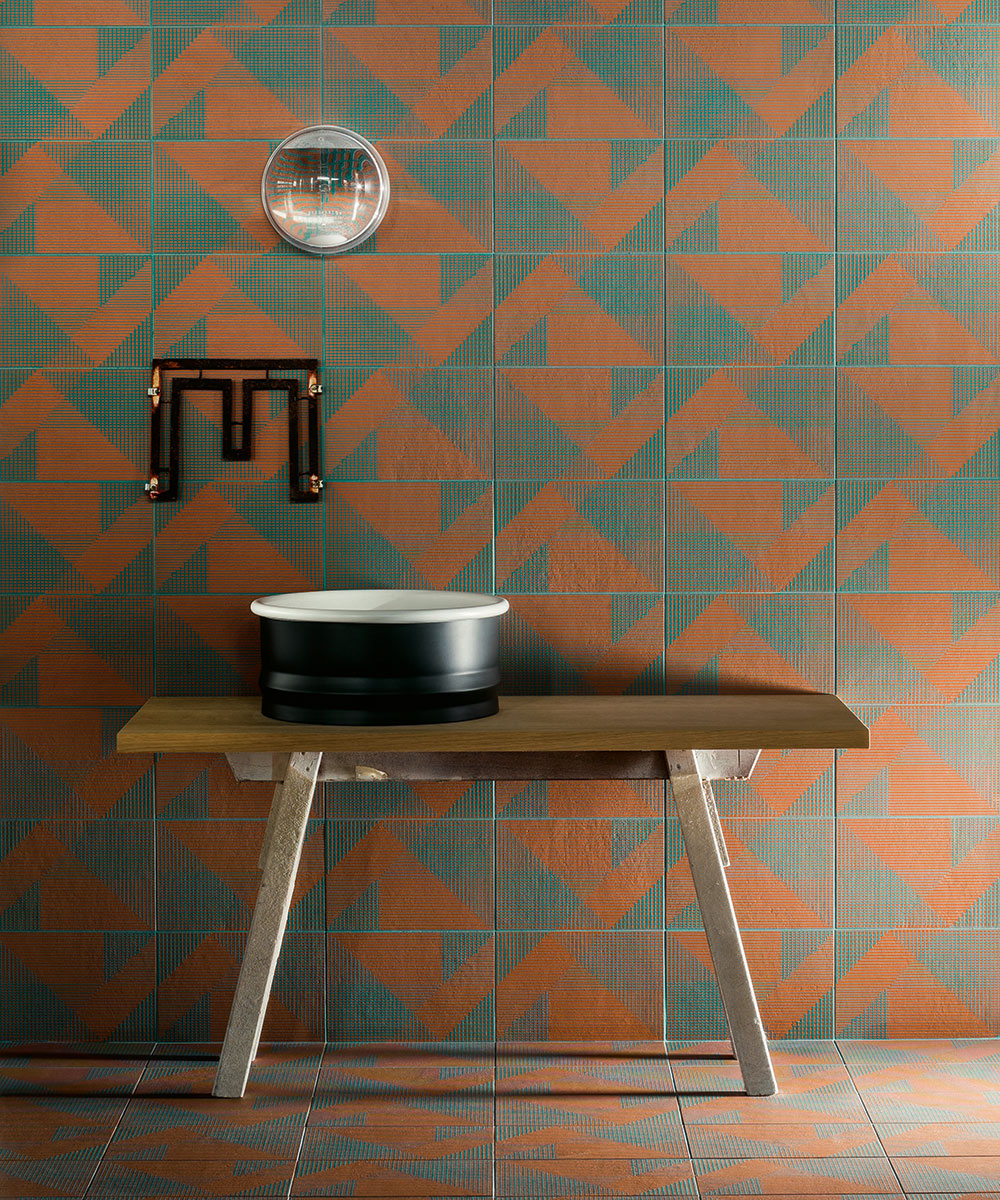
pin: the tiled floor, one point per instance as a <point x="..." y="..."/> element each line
<point x="918" y="1118"/>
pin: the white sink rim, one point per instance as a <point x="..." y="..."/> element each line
<point x="379" y="606"/>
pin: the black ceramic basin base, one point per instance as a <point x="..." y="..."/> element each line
<point x="379" y="673"/>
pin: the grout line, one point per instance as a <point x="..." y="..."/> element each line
<point x="118" y="1123"/>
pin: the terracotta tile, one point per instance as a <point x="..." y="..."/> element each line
<point x="395" y="12"/>
<point x="573" y="986"/>
<point x="579" y="874"/>
<point x="749" y="422"/>
<point x="794" y="784"/>
<point x="208" y="645"/>
<point x="231" y="1179"/>
<point x="930" y="1094"/>
<point x="399" y="1108"/>
<point x="27" y="1177"/>
<point x="458" y="800"/>
<point x="638" y="1177"/>
<point x="202" y="787"/>
<point x="865" y="1056"/>
<point x="384" y="1163"/>
<point x="558" y="1075"/>
<point x="938" y="422"/>
<point x="714" y="1095"/>
<point x="282" y="1073"/>
<point x="409" y="423"/>
<point x="585" y="1125"/>
<point x="813" y="1176"/>
<point x="100" y="1074"/>
<point x="609" y="644"/>
<point x="399" y="83"/>
<point x="790" y="1052"/>
<point x="598" y="799"/>
<point x="458" y="1077"/>
<point x="973" y="1139"/>
<point x="954" y="1174"/>
<point x="204" y="1130"/>
<point x="594" y="196"/>
<point x="233" y="81"/>
<point x="565" y="81"/>
<point x="812" y="1141"/>
<point x="457" y="1058"/>
<point x="48" y="1124"/>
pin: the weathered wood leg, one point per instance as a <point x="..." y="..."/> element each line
<point x="280" y="767"/>
<point x="287" y="829"/>
<point x="721" y="929"/>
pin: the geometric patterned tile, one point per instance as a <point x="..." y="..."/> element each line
<point x="57" y="651"/>
<point x="82" y="12"/>
<point x="76" y="875"/>
<point x="919" y="983"/>
<point x="282" y="1074"/>
<point x="584" y="1125"/>
<point x="59" y="764"/>
<point x="571" y="643"/>
<point x="221" y="306"/>
<point x="579" y="986"/>
<point x="756" y="537"/>
<point x="737" y="642"/>
<point x="578" y="196"/>
<point x="713" y="1095"/>
<point x="903" y="535"/>
<point x="579" y="874"/>
<point x="977" y="1056"/>
<point x="81" y="311"/>
<point x="750" y="81"/>
<point x="974" y="1139"/>
<point x="958" y="1174"/>
<point x="918" y="872"/>
<point x="580" y="424"/>
<point x="784" y="783"/>
<point x="232" y="81"/>
<point x="225" y="1179"/>
<point x="207" y="876"/>
<point x="601" y="79"/>
<point x="409" y="311"/>
<point x="808" y="1140"/>
<point x="197" y="978"/>
<point x="727" y="195"/>
<point x="238" y="537"/>
<point x="761" y="12"/>
<point x="750" y="309"/>
<point x="207" y="645"/>
<point x="428" y="535"/>
<point x="579" y="310"/>
<point x="636" y="1178"/>
<point x="918" y="647"/>
<point x="618" y="1077"/>
<point x="749" y="422"/>
<point x="404" y="986"/>
<point x="926" y="421"/>
<point x="412" y="875"/>
<point x="781" y="875"/>
<point x="409" y="423"/>
<point x="337" y="1163"/>
<point x="77" y="538"/>
<point x="76" y="84"/>
<point x="457" y="801"/>
<point x="793" y="975"/>
<point x="796" y="1176"/>
<point x="396" y="12"/>
<point x="918" y="195"/>
<point x="53" y="189"/>
<point x="916" y="308"/>
<point x="639" y="799"/>
<point x="247" y="12"/>
<point x="429" y="83"/>
<point x="579" y="537"/>
<point x="80" y="985"/>
<point x="92" y="419"/>
<point x="93" y="1081"/>
<point x="895" y="81"/>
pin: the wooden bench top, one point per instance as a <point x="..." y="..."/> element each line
<point x="528" y="724"/>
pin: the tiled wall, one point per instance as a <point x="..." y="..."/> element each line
<point x="682" y="331"/>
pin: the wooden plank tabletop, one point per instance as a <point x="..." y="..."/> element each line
<point x="785" y="721"/>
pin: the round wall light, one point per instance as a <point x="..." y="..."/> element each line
<point x="325" y="189"/>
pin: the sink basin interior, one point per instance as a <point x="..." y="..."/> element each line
<point x="379" y="605"/>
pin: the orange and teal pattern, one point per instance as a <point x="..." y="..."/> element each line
<point x="683" y="331"/>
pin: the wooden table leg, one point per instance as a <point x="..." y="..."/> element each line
<point x="701" y="842"/>
<point x="286" y="833"/>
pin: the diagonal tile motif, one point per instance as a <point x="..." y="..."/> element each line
<point x="750" y="81"/>
<point x="232" y="81"/>
<point x="726" y="195"/>
<point x="583" y="197"/>
<point x="580" y="874"/>
<point x="598" y="78"/>
<point x="430" y="82"/>
<point x="577" y="986"/>
<point x="409" y="423"/>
